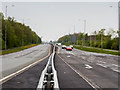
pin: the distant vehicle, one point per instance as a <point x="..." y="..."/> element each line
<point x="63" y="47"/>
<point x="68" y="48"/>
<point x="71" y="46"/>
<point x="58" y="44"/>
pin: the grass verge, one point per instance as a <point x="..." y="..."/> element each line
<point x="97" y="50"/>
<point x="17" y="49"/>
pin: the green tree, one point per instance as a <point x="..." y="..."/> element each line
<point x="17" y="34"/>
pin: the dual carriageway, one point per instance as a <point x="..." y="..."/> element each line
<point x="74" y="69"/>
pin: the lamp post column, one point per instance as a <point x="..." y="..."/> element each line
<point x="6" y="27"/>
<point x="119" y="22"/>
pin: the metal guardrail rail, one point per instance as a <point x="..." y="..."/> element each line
<point x="48" y="79"/>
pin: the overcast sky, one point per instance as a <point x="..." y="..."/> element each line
<point x="51" y="20"/>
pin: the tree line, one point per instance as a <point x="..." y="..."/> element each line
<point x="98" y="39"/>
<point x="17" y="34"/>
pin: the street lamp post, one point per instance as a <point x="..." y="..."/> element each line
<point x="6" y="27"/>
<point x="84" y="30"/>
<point x="69" y="37"/>
<point x="74" y="35"/>
<point x="23" y="21"/>
<point x="6" y="7"/>
<point x="90" y="40"/>
<point x="23" y="34"/>
<point x="119" y="24"/>
<point x="101" y="40"/>
<point x="83" y="44"/>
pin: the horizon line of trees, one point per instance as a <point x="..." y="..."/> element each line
<point x="97" y="39"/>
<point x="17" y="34"/>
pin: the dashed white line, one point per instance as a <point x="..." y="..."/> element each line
<point x="102" y="62"/>
<point x="102" y="65"/>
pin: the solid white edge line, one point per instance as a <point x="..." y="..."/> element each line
<point x="85" y="78"/>
<point x="21" y="70"/>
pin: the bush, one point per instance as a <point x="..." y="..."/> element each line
<point x="115" y="44"/>
<point x="107" y="44"/>
<point x="17" y="49"/>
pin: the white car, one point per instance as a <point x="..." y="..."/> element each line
<point x="63" y="47"/>
<point x="59" y="44"/>
<point x="71" y="46"/>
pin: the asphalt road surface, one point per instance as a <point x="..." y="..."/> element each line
<point x="67" y="78"/>
<point x="101" y="70"/>
<point x="28" y="80"/>
<point x="16" y="61"/>
<point x="75" y="69"/>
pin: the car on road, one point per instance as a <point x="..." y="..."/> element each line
<point x="68" y="48"/>
<point x="59" y="44"/>
<point x="71" y="46"/>
<point x="63" y="47"/>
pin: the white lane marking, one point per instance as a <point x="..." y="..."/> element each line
<point x="96" y="87"/>
<point x="102" y="62"/>
<point x="5" y="79"/>
<point x="113" y="67"/>
<point x="88" y="66"/>
<point x="68" y="56"/>
<point x="116" y="70"/>
<point x="116" y="65"/>
<point x="102" y="65"/>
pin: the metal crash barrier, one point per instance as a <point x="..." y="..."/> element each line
<point x="48" y="79"/>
